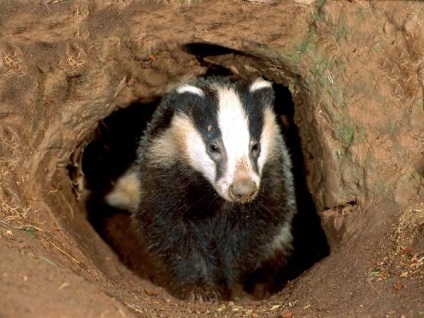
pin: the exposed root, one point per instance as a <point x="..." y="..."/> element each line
<point x="13" y="63"/>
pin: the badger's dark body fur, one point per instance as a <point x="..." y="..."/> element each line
<point x="208" y="243"/>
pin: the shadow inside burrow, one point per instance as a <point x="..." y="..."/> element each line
<point x="112" y="152"/>
<point x="310" y="243"/>
<point x="107" y="157"/>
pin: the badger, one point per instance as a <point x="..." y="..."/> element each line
<point x="212" y="190"/>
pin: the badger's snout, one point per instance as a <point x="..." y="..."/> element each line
<point x="243" y="191"/>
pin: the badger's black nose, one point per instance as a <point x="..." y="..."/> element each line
<point x="243" y="191"/>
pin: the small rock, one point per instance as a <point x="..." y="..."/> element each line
<point x="287" y="314"/>
<point x="398" y="286"/>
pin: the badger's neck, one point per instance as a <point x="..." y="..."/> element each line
<point x="190" y="195"/>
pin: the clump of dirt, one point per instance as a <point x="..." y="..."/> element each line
<point x="354" y="70"/>
<point x="406" y="259"/>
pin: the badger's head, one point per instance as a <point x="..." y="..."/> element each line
<point x="226" y="131"/>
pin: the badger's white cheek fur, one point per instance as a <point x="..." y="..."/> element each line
<point x="194" y="148"/>
<point x="199" y="159"/>
<point x="270" y="130"/>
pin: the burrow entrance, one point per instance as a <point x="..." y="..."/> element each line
<point x="111" y="150"/>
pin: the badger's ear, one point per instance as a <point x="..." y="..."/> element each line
<point x="259" y="84"/>
<point x="185" y="96"/>
<point x="263" y="90"/>
<point x="190" y="89"/>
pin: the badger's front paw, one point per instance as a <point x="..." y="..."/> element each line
<point x="201" y="293"/>
<point x="204" y="294"/>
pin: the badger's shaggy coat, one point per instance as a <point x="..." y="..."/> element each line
<point x="216" y="197"/>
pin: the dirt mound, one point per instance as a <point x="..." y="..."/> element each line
<point x="355" y="71"/>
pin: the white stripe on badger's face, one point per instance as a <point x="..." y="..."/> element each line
<point x="234" y="126"/>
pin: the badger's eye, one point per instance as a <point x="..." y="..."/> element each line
<point x="255" y="148"/>
<point x="214" y="151"/>
<point x="214" y="148"/>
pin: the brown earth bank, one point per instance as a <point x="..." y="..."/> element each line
<point x="355" y="70"/>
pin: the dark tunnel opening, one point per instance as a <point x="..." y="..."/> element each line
<point x="113" y="150"/>
<point x="109" y="155"/>
<point x="310" y="242"/>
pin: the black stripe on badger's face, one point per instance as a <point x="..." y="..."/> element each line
<point x="202" y="110"/>
<point x="229" y="133"/>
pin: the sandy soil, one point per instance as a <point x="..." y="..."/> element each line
<point x="356" y="73"/>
